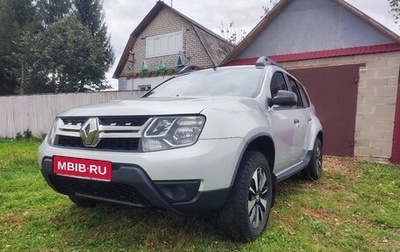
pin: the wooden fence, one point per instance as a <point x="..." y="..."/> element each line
<point x="37" y="112"/>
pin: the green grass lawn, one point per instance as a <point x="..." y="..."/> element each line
<point x="355" y="207"/>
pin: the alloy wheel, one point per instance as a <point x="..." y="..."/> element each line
<point x="258" y="198"/>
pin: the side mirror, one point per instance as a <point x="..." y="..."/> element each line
<point x="284" y="98"/>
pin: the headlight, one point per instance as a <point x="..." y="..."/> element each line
<point x="50" y="138"/>
<point x="172" y="132"/>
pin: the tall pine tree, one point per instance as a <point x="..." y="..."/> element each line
<point x="63" y="58"/>
<point x="90" y="14"/>
<point x="50" y="11"/>
<point x="16" y="16"/>
<point x="52" y="46"/>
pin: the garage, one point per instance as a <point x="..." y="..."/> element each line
<point x="358" y="106"/>
<point x="333" y="91"/>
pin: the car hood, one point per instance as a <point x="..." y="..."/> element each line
<point x="150" y="106"/>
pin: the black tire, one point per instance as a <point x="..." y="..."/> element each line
<point x="246" y="211"/>
<point x="314" y="169"/>
<point x="82" y="202"/>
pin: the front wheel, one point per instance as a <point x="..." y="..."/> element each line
<point x="314" y="168"/>
<point x="246" y="211"/>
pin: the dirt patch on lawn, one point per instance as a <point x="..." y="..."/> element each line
<point x="349" y="167"/>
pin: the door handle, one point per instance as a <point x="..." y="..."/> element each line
<point x="296" y="121"/>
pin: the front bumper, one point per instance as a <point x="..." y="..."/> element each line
<point x="189" y="180"/>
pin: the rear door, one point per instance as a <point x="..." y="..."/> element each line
<point x="302" y="119"/>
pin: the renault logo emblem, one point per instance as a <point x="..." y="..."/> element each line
<point x="90" y="133"/>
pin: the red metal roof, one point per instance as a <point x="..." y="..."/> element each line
<point x="321" y="54"/>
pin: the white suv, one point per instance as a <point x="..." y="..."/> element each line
<point x="207" y="140"/>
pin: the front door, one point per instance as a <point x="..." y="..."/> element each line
<point x="284" y="126"/>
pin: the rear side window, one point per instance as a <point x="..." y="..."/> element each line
<point x="298" y="89"/>
<point x="277" y="83"/>
<point x="306" y="100"/>
<point x="295" y="89"/>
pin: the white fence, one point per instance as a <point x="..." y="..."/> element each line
<point x="36" y="112"/>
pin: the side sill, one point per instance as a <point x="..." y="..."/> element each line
<point x="292" y="170"/>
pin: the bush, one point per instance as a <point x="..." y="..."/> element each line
<point x="26" y="135"/>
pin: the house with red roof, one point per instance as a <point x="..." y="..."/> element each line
<point x="163" y="43"/>
<point x="348" y="62"/>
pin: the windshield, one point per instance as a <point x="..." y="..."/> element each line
<point x="220" y="82"/>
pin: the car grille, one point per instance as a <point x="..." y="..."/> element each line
<point x="124" y="144"/>
<point x="121" y="133"/>
<point x="98" y="189"/>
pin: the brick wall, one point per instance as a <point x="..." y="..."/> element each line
<point x="376" y="101"/>
<point x="167" y="22"/>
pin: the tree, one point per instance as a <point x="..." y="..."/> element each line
<point x="51" y="10"/>
<point x="235" y="36"/>
<point x="16" y="16"/>
<point x="90" y="14"/>
<point x="63" y="58"/>
<point x="31" y="73"/>
<point x="53" y="46"/>
<point x="395" y="9"/>
<point x="231" y="34"/>
<point x="268" y="8"/>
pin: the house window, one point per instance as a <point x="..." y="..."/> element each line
<point x="144" y="87"/>
<point x="165" y="44"/>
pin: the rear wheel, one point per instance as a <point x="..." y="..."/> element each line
<point x="314" y="169"/>
<point x="82" y="202"/>
<point x="246" y="211"/>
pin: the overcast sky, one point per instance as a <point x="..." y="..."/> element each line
<point x="123" y="16"/>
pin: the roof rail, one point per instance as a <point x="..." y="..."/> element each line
<point x="266" y="61"/>
<point x="189" y="69"/>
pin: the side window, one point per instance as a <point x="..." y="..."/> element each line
<point x="295" y="89"/>
<point x="306" y="100"/>
<point x="277" y="83"/>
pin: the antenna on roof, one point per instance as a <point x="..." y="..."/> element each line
<point x="171" y="3"/>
